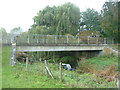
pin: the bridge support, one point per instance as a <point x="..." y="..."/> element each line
<point x="13" y="56"/>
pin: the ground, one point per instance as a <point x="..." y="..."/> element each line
<point x="35" y="77"/>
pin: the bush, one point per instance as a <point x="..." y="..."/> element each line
<point x="53" y="60"/>
<point x="69" y="60"/>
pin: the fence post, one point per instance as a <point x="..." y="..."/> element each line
<point x="27" y="63"/>
<point x="60" y="71"/>
<point x="13" y="57"/>
<point x="47" y="70"/>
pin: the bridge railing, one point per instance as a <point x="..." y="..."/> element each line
<point x="59" y="39"/>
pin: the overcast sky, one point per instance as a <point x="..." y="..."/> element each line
<point x="14" y="13"/>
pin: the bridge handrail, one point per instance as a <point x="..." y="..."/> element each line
<point x="60" y="39"/>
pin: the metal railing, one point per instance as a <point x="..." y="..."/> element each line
<point x="59" y="40"/>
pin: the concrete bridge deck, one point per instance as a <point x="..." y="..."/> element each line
<point x="81" y="47"/>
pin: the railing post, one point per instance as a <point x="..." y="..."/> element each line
<point x="78" y="39"/>
<point x="112" y="41"/>
<point x="55" y="40"/>
<point x="88" y="40"/>
<point x="96" y="40"/>
<point x="43" y="39"/>
<point x="67" y="39"/>
<point x="37" y="40"/>
<point x="104" y="40"/>
<point x="28" y="39"/>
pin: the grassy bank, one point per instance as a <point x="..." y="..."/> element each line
<point x="35" y="77"/>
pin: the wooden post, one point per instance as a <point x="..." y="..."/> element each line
<point x="60" y="71"/>
<point x="118" y="83"/>
<point x="48" y="70"/>
<point x="27" y="63"/>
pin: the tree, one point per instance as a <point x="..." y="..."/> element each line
<point x="90" y="20"/>
<point x="109" y="20"/>
<point x="16" y="30"/>
<point x="3" y="31"/>
<point x="59" y="20"/>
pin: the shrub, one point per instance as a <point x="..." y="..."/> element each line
<point x="69" y="60"/>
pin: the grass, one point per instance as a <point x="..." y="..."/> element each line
<point x="35" y="77"/>
<point x="102" y="61"/>
<point x="14" y="77"/>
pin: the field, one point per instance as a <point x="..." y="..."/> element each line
<point x="35" y="77"/>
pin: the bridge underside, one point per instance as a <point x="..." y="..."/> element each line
<point x="59" y="48"/>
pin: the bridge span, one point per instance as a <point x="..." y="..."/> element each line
<point x="33" y="43"/>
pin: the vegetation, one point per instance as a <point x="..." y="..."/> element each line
<point x="90" y="20"/>
<point x="109" y="20"/>
<point x="66" y="19"/>
<point x="59" y="20"/>
<point x="35" y="77"/>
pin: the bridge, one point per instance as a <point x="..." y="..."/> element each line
<point x="31" y="43"/>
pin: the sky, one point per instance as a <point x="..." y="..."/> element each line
<point x="20" y="13"/>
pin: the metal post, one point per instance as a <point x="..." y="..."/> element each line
<point x="104" y="40"/>
<point x="96" y="40"/>
<point x="67" y="39"/>
<point x="88" y="40"/>
<point x="112" y="41"/>
<point x="78" y="39"/>
<point x="55" y="40"/>
<point x="28" y="39"/>
<point x="37" y="40"/>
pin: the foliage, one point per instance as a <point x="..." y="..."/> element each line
<point x="69" y="60"/>
<point x="3" y="31"/>
<point x="35" y="77"/>
<point x="90" y="20"/>
<point x="102" y="61"/>
<point x="110" y="20"/>
<point x="92" y="35"/>
<point x="16" y="30"/>
<point x="58" y="20"/>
